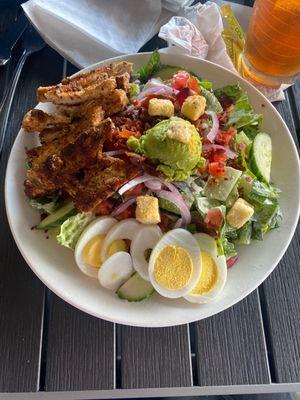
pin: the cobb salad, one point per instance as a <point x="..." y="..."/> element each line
<point x="153" y="179"/>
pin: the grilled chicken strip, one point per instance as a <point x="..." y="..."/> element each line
<point x="60" y="95"/>
<point x="36" y="120"/>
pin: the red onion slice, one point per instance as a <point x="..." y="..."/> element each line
<point x="178" y="223"/>
<point x="226" y="150"/>
<point x="154" y="184"/>
<point x="215" y="126"/>
<point x="134" y="182"/>
<point x="179" y="202"/>
<point x="123" y="206"/>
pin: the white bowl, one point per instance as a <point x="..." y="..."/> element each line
<point x="55" y="265"/>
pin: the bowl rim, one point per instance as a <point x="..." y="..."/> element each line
<point x="70" y="299"/>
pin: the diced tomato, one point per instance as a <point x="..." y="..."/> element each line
<point x="128" y="213"/>
<point x="214" y="218"/>
<point x="138" y="190"/>
<point x="231" y="261"/>
<point x="192" y="84"/>
<point x="216" y="168"/>
<point x="225" y="137"/>
<point x="180" y="80"/>
<point x="203" y="169"/>
<point x="182" y="95"/>
<point x="220" y="157"/>
<point x="105" y="207"/>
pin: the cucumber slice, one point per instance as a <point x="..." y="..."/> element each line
<point x="135" y="289"/>
<point x="261" y="157"/>
<point x="220" y="188"/>
<point x="57" y="217"/>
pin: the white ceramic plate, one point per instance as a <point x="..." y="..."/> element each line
<point x="55" y="265"/>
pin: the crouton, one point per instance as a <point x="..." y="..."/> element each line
<point x="147" y="210"/>
<point x="193" y="107"/>
<point x="240" y="213"/>
<point x="161" y="107"/>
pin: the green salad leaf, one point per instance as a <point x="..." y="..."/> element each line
<point x="226" y="248"/>
<point x="71" y="229"/>
<point x="150" y="68"/>
<point x="212" y="102"/>
<point x="242" y="115"/>
<point x="45" y="204"/>
<point x="135" y="90"/>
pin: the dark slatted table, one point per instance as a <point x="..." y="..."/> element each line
<point x="48" y="349"/>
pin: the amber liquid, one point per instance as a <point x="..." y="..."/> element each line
<point x="272" y="50"/>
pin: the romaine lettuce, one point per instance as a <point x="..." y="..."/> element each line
<point x="72" y="228"/>
<point x="150" y="68"/>
<point x="45" y="204"/>
<point x="242" y="115"/>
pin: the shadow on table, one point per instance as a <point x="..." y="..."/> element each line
<point x="268" y="396"/>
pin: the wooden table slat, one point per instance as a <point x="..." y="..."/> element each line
<point x="280" y="293"/>
<point x="280" y="296"/>
<point x="157" y="357"/>
<point x="80" y="352"/>
<point x="22" y="294"/>
<point x="230" y="346"/>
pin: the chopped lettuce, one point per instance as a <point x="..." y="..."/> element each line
<point x="226" y="248"/>
<point x="135" y="90"/>
<point x="71" y="229"/>
<point x="205" y="84"/>
<point x="203" y="204"/>
<point x="45" y="204"/>
<point x="242" y="143"/>
<point x="268" y="218"/>
<point x="259" y="194"/>
<point x="212" y="103"/>
<point x="150" y="68"/>
<point x="168" y="206"/>
<point x="245" y="233"/>
<point x="242" y="115"/>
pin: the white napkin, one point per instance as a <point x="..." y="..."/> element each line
<point x="205" y="23"/>
<point x="87" y="31"/>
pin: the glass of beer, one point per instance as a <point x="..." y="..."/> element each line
<point x="272" y="50"/>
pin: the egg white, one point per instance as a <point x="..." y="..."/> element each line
<point x="125" y="229"/>
<point x="208" y="244"/>
<point x="181" y="238"/>
<point x="99" y="226"/>
<point x="145" y="238"/>
<point x="115" y="270"/>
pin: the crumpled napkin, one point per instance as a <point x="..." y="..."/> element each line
<point x="88" y="31"/>
<point x="200" y="28"/>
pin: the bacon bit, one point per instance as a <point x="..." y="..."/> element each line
<point x="105" y="207"/>
<point x="225" y="137"/>
<point x="138" y="190"/>
<point x="231" y="261"/>
<point x="166" y="222"/>
<point x="128" y="213"/>
<point x="225" y="101"/>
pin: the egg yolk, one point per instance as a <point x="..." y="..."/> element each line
<point x="115" y="246"/>
<point x="173" y="267"/>
<point x="91" y="251"/>
<point x="209" y="275"/>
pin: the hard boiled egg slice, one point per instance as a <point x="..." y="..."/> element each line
<point x="175" y="264"/>
<point x="125" y="229"/>
<point x="115" y="270"/>
<point x="144" y="240"/>
<point x="87" y="250"/>
<point x="214" y="272"/>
